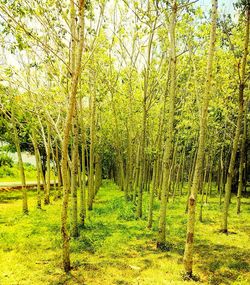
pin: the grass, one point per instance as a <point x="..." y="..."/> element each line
<point x="114" y="248"/>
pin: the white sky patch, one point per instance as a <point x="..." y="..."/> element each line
<point x="225" y="6"/>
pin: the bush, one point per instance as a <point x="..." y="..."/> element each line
<point x="5" y="160"/>
<point x="6" y="171"/>
<point x="29" y="167"/>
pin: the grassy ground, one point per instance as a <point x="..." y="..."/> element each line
<point x="114" y="248"/>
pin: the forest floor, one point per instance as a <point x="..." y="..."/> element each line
<point x="114" y="248"/>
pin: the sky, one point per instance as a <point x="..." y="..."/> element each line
<point x="225" y="6"/>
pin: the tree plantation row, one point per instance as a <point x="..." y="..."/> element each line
<point x="151" y="94"/>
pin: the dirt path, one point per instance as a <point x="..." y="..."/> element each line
<point x="10" y="186"/>
<point x="16" y="183"/>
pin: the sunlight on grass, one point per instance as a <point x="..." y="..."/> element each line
<point x="114" y="248"/>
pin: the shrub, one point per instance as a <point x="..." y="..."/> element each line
<point x="6" y="171"/>
<point x="29" y="167"/>
<point x="5" y="160"/>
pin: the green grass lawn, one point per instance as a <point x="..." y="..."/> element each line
<point x="114" y="248"/>
<point x="31" y="177"/>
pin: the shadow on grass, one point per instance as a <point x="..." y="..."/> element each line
<point x="224" y="264"/>
<point x="6" y="197"/>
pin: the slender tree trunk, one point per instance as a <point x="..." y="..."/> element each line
<point x="83" y="174"/>
<point x="42" y="173"/>
<point x="157" y="174"/>
<point x="209" y="179"/>
<point x="188" y="254"/>
<point x="121" y="170"/>
<point x="203" y="185"/>
<point x="242" y="163"/>
<point x="146" y="96"/>
<point x="183" y="169"/>
<point x="74" y="168"/>
<point x="118" y="149"/>
<point x="91" y="183"/>
<point x="173" y="174"/>
<point x="129" y="167"/>
<point x="222" y="184"/>
<point x="218" y="177"/>
<point x="178" y="175"/>
<point x="142" y="169"/>
<point x="136" y="174"/>
<point x="59" y="174"/>
<point x="38" y="169"/>
<point x="151" y="196"/>
<point x="20" y="163"/>
<point x="55" y="173"/>
<point x="83" y="189"/>
<point x="98" y="178"/>
<point x="230" y="173"/>
<point x="47" y="189"/>
<point x="190" y="179"/>
<point x="161" y="239"/>
<point x="76" y="58"/>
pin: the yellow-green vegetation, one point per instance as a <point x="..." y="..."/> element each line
<point x="12" y="173"/>
<point x="114" y="248"/>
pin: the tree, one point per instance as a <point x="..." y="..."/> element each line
<point x="188" y="254"/>
<point x="76" y="58"/>
<point x="242" y="82"/>
<point x="170" y="125"/>
<point x="20" y="161"/>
